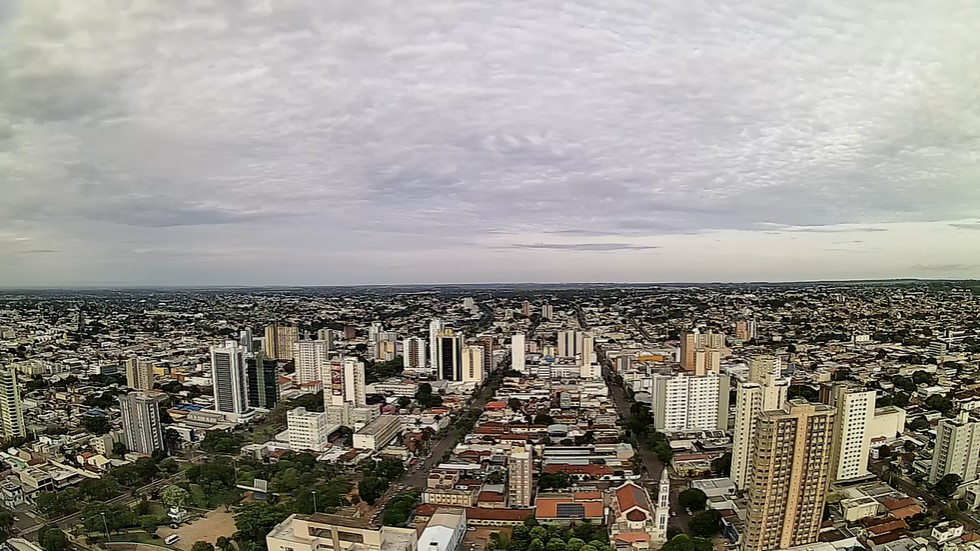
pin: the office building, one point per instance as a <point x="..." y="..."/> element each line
<point x="472" y="365"/>
<point x="11" y="410"/>
<point x="753" y="396"/>
<point x="228" y="378"/>
<point x="435" y="326"/>
<point x="449" y="355"/>
<point x="681" y="401"/>
<point x="689" y="344"/>
<point x="957" y="449"/>
<point x="246" y="339"/>
<point x="310" y="357"/>
<point x="378" y="433"/>
<point x="308" y="430"/>
<point x="852" y="444"/>
<point x="139" y="375"/>
<point x="414" y="353"/>
<point x="789" y="476"/>
<point x="263" y="381"/>
<point x="142" y="429"/>
<point x="319" y="531"/>
<point x="517" y="358"/>
<point x="279" y="341"/>
<point x="519" y="483"/>
<point x="327" y="336"/>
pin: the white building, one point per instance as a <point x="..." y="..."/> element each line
<point x="435" y="326"/>
<point x="519" y="479"/>
<point x="517" y="347"/>
<point x="414" y="353"/>
<point x="11" y="410"/>
<point x="308" y="430"/>
<point x="139" y="375"/>
<point x="765" y="389"/>
<point x="570" y="343"/>
<point x="310" y="358"/>
<point x="228" y="378"/>
<point x="444" y="531"/>
<point x="378" y="433"/>
<point x="681" y="401"/>
<point x="142" y="430"/>
<point x="957" y="449"/>
<point x="318" y="532"/>
<point x="344" y="382"/>
<point x="852" y="444"/>
<point x="473" y="371"/>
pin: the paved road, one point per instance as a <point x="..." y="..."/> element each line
<point x="654" y="467"/>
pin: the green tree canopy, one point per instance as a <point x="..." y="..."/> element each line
<point x="692" y="499"/>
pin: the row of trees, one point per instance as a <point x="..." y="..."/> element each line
<point x="583" y="536"/>
<point x="377" y="478"/>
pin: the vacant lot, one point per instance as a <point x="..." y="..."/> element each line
<point x="215" y="524"/>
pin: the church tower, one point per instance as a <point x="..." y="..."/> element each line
<point x="663" y="507"/>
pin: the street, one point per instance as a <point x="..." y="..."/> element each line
<point x="654" y="467"/>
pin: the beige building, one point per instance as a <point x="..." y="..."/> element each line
<point x="319" y="531"/>
<point x="766" y="393"/>
<point x="519" y="482"/>
<point x="139" y="375"/>
<point x="11" y="411"/>
<point x="473" y="371"/>
<point x="279" y="341"/>
<point x="957" y="449"/>
<point x="852" y="443"/>
<point x="789" y="476"/>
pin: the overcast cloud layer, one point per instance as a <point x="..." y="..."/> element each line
<point x="337" y="142"/>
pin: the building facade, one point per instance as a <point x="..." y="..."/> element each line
<point x="519" y="480"/>
<point x="766" y="393"/>
<point x="310" y="357"/>
<point x="414" y="353"/>
<point x="228" y="378"/>
<point x="262" y="375"/>
<point x="142" y="429"/>
<point x="790" y="474"/>
<point x="852" y="443"/>
<point x="139" y="375"/>
<point x="11" y="410"/>
<point x="681" y="401"/>
<point x="472" y="365"/>
<point x="279" y="341"/>
<point x="957" y="449"/>
<point x="517" y="348"/>
<point x="308" y="430"/>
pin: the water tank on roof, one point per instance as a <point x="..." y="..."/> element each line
<point x="557" y="430"/>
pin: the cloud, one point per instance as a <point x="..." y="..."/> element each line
<point x="584" y="246"/>
<point x="36" y="251"/>
<point x="309" y="128"/>
<point x="967" y="226"/>
<point x="952" y="267"/>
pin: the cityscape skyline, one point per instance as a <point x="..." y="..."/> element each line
<point x="301" y="142"/>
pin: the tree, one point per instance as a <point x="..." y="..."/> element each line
<point x="404" y="402"/>
<point x="149" y="524"/>
<point x="172" y="441"/>
<point x="948" y="484"/>
<point x="543" y="419"/>
<point x="255" y="520"/>
<point x="54" y="539"/>
<point x="940" y="403"/>
<point x="514" y="404"/>
<point x="96" y="424"/>
<point x="119" y="448"/>
<point x="371" y="488"/>
<point x="692" y="499"/>
<point x="554" y="481"/>
<point x="705" y="524"/>
<point x="680" y="542"/>
<point x="222" y="442"/>
<point x="574" y="544"/>
<point x="56" y="504"/>
<point x="175" y="496"/>
<point x="6" y="524"/>
<point x="202" y="546"/>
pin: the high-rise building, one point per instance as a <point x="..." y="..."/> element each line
<point x="228" y="378"/>
<point x="570" y="343"/>
<point x="307" y="430"/>
<point x="526" y="309"/>
<point x="326" y="335"/>
<point x="139" y="375"/>
<point x="263" y="381"/>
<point x="489" y="345"/>
<point x="745" y="330"/>
<point x="374" y="331"/>
<point x="11" y="410"/>
<point x="682" y="401"/>
<point x="517" y="362"/>
<point x="588" y="349"/>
<point x="712" y="340"/>
<point x="707" y="361"/>
<point x="766" y="393"/>
<point x="435" y="326"/>
<point x="310" y="357"/>
<point x="790" y="473"/>
<point x="852" y="442"/>
<point x="547" y="311"/>
<point x="472" y="364"/>
<point x="957" y="449"/>
<point x="142" y="430"/>
<point x="279" y="341"/>
<point x="519" y="483"/>
<point x="344" y="382"/>
<point x="760" y="366"/>
<point x="246" y="339"/>
<point x="689" y="344"/>
<point x="413" y="353"/>
<point x="449" y="355"/>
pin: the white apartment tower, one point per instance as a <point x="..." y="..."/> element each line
<point x="435" y="326"/>
<point x="519" y="483"/>
<point x="139" y="375"/>
<point x="517" y="345"/>
<point x="11" y="411"/>
<point x="310" y="358"/>
<point x="682" y="401"/>
<point x="413" y="353"/>
<point x="569" y="343"/>
<point x="765" y="393"/>
<point x="957" y="449"/>
<point x="344" y="383"/>
<point x="142" y="430"/>
<point x="228" y="378"/>
<point x="852" y="444"/>
<point x="473" y="371"/>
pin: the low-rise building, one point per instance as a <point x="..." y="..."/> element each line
<point x="319" y="531"/>
<point x="378" y="433"/>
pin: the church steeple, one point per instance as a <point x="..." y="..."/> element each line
<point x="663" y="506"/>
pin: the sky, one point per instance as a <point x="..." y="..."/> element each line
<point x="263" y="142"/>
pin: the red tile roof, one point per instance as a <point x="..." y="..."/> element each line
<point x="630" y="495"/>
